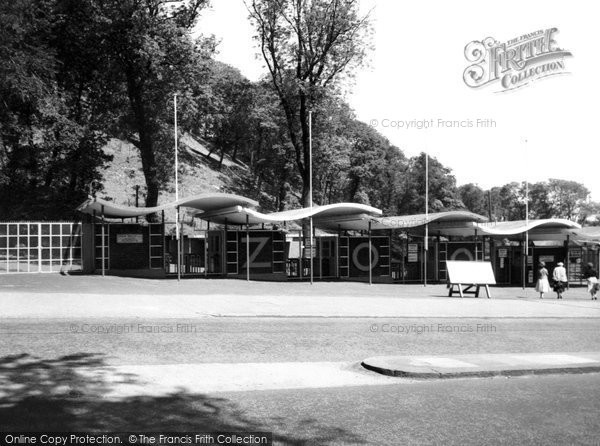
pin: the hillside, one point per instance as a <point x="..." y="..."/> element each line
<point x="197" y="173"/>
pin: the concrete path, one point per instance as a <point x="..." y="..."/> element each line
<point x="482" y="365"/>
<point x="98" y="305"/>
<point x="159" y="380"/>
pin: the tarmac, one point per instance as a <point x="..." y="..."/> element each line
<point x="341" y="300"/>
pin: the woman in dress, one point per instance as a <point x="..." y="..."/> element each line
<point x="559" y="275"/>
<point x="542" y="286"/>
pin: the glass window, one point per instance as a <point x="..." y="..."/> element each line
<point x="55" y="229"/>
<point x="33" y="229"/>
<point x="33" y="241"/>
<point x="46" y="242"/>
<point x="12" y="229"/>
<point x="45" y="253"/>
<point x="3" y="228"/>
<point x="12" y="242"/>
<point x="3" y="243"/>
<point x="23" y="229"/>
<point x="56" y="254"/>
<point x="55" y="241"/>
<point x="23" y="241"/>
<point x="45" y="229"/>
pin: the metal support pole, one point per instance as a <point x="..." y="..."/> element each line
<point x="300" y="255"/>
<point x="103" y="245"/>
<point x="177" y="236"/>
<point x="247" y="249"/>
<point x="206" y="249"/>
<point x="370" y="257"/>
<point x="310" y="192"/>
<point x="312" y="263"/>
<point x="426" y="246"/>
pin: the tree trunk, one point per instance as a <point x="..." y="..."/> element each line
<point x="146" y="146"/>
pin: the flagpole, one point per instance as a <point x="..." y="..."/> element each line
<point x="526" y="224"/>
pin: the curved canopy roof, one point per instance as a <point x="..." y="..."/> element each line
<point x="202" y="202"/>
<point x="508" y="228"/>
<point x="446" y="219"/>
<point x="589" y="233"/>
<point x="338" y="212"/>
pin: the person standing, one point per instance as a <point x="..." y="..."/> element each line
<point x="559" y="275"/>
<point x="591" y="276"/>
<point x="542" y="286"/>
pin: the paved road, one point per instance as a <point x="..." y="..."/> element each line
<point x="529" y="410"/>
<point x="49" y="355"/>
<point x="212" y="340"/>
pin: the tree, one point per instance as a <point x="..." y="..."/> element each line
<point x="473" y="197"/>
<point x="51" y="145"/>
<point x="443" y="195"/>
<point x="147" y="55"/>
<point x="308" y="45"/>
<point x="566" y="197"/>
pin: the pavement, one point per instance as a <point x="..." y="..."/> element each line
<point x="484" y="365"/>
<point x="432" y="302"/>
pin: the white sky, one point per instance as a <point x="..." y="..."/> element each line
<point x="416" y="72"/>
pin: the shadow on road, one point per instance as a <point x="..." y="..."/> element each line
<point x="62" y="395"/>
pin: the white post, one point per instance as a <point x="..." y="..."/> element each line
<point x="177" y="191"/>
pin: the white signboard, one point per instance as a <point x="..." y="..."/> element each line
<point x="467" y="272"/>
<point x="413" y="247"/>
<point x="413" y="257"/>
<point x="503" y="252"/>
<point x="130" y="238"/>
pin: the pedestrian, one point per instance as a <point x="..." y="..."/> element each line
<point x="542" y="286"/>
<point x="591" y="276"/>
<point x="559" y="275"/>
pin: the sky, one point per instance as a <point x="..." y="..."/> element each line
<point x="547" y="129"/>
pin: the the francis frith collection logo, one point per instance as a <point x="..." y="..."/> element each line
<point x="516" y="62"/>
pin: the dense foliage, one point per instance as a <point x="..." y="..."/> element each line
<point x="76" y="73"/>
